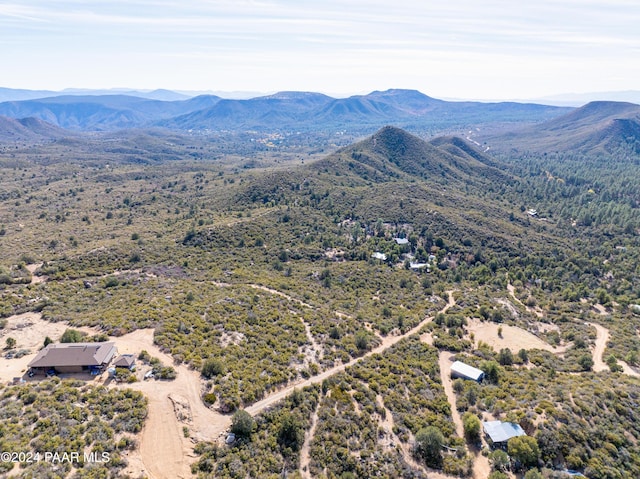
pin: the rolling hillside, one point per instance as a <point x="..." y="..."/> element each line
<point x="598" y="127"/>
<point x="29" y="129"/>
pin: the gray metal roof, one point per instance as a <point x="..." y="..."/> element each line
<point x="502" y="431"/>
<point x="461" y="369"/>
<point x="74" y="354"/>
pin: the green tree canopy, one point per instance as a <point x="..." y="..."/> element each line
<point x="242" y="424"/>
<point x="429" y="441"/>
<point x="472" y="427"/>
<point x="291" y="434"/>
<point x="524" y="449"/>
<point x="212" y="367"/>
<point x="499" y="460"/>
<point x="72" y="336"/>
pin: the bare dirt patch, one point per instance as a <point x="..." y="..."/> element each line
<point x="29" y="331"/>
<point x="392" y="439"/>
<point x="513" y="337"/>
<point x="164" y="451"/>
<point x="445" y="359"/>
<point x="602" y="338"/>
<point x="32" y="269"/>
<point x="231" y="338"/>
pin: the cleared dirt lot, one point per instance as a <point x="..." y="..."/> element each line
<point x="513" y="337"/>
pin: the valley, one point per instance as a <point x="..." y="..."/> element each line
<point x="310" y="296"/>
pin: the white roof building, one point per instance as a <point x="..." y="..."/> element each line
<point x="464" y="371"/>
<point x="501" y="432"/>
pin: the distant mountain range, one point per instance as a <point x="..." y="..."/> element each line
<point x="601" y="126"/>
<point x="13" y="94"/>
<point x="597" y="127"/>
<point x="284" y="111"/>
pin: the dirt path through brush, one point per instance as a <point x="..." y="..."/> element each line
<point x="445" y="359"/>
<point x="389" y="424"/>
<point x="305" y="457"/>
<point x="602" y="337"/>
<point x="512" y="292"/>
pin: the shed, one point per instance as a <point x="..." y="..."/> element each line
<point x="500" y="432"/>
<point x="464" y="371"/>
<point x="125" y="361"/>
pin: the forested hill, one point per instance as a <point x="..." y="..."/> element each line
<point x="601" y="127"/>
<point x="394" y="153"/>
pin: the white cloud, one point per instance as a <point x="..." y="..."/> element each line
<point x="336" y="45"/>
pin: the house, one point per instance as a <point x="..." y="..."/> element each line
<point x="464" y="371"/>
<point x="73" y="357"/>
<point x="401" y="241"/>
<point x="498" y="433"/>
<point x="125" y="361"/>
<point x="380" y="256"/>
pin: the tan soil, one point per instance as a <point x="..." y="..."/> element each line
<point x="388" y="425"/>
<point x="602" y="338"/>
<point x="445" y="359"/>
<point x="513" y="337"/>
<point x="29" y="330"/>
<point x="35" y="279"/>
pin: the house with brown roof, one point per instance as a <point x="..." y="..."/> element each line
<point x="74" y="357"/>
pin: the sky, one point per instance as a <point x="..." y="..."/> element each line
<point x="470" y="49"/>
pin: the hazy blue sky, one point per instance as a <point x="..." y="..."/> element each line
<point x="454" y="48"/>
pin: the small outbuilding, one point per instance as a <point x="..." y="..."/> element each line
<point x="464" y="371"/>
<point x="498" y="433"/>
<point x="125" y="361"/>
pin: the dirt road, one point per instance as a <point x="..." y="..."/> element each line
<point x="445" y="359"/>
<point x="164" y="452"/>
<point x="512" y="292"/>
<point x="602" y="337"/>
